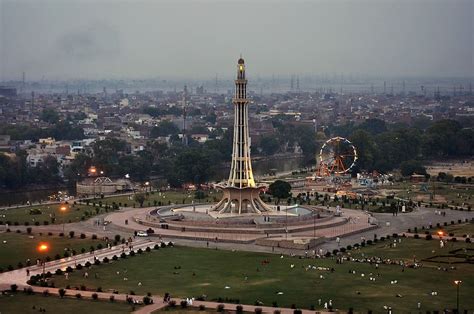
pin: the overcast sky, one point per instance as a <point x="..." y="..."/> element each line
<point x="197" y="39"/>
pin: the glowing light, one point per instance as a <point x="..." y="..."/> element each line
<point x="457" y="282"/>
<point x="440" y="233"/>
<point x="43" y="247"/>
<point x="241" y="67"/>
<point x="63" y="208"/>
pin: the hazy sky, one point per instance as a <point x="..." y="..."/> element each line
<point x="197" y="39"/>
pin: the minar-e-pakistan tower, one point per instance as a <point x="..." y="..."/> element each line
<point x="241" y="195"/>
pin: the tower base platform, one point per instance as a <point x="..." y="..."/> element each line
<point x="241" y="201"/>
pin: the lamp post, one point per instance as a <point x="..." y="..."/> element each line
<point x="43" y="249"/>
<point x="147" y="186"/>
<point x="457" y="283"/>
<point x="63" y="209"/>
<point x="314" y="225"/>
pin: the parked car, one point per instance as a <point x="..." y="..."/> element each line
<point x="142" y="234"/>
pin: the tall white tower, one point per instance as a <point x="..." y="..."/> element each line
<point x="241" y="195"/>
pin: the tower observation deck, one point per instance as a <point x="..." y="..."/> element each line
<point x="241" y="195"/>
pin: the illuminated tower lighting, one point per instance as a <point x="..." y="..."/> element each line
<point x="241" y="195"/>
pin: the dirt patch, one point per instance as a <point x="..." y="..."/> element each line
<point x="262" y="282"/>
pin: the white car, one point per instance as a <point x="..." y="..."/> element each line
<point x="142" y="234"/>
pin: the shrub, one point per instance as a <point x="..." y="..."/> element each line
<point x="112" y="298"/>
<point x="115" y="257"/>
<point x="258" y="310"/>
<point x="147" y="300"/>
<point x="148" y="249"/>
<point x="94" y="237"/>
<point x="97" y="262"/>
<point x="297" y="311"/>
<point x="71" y="234"/>
<point x="132" y="253"/>
<point x="58" y="272"/>
<point x="99" y="289"/>
<point x="46" y="293"/>
<point x="28" y="230"/>
<point x="156" y="247"/>
<point x="83" y="288"/>
<point x="95" y="296"/>
<point x="117" y="237"/>
<point x="69" y="269"/>
<point x="172" y="303"/>
<point x="99" y="246"/>
<point x="123" y="255"/>
<point x="105" y="260"/>
<point x="29" y="291"/>
<point x="83" y="236"/>
<point x="139" y="251"/>
<point x="184" y="304"/>
<point x="429" y="237"/>
<point x="239" y="309"/>
<point x="202" y="307"/>
<point x="78" y="295"/>
<point x="13" y="288"/>
<point x="220" y="308"/>
<point x="417" y="236"/>
<point x="88" y="264"/>
<point x="468" y="240"/>
<point x="78" y="266"/>
<point x="62" y="293"/>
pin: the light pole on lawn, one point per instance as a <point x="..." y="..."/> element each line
<point x="43" y="248"/>
<point x="457" y="283"/>
<point x="63" y="209"/>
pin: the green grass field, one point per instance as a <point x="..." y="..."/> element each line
<point x="33" y="214"/>
<point x="191" y="272"/>
<point x="460" y="230"/>
<point x="15" y="248"/>
<point x="173" y="197"/>
<point x="22" y="303"/>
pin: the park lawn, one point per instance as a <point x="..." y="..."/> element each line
<point x="409" y="249"/>
<point x="192" y="272"/>
<point x="23" y="303"/>
<point x="461" y="229"/>
<point x="173" y="197"/>
<point x="189" y="310"/>
<point x="73" y="213"/>
<point x="15" y="248"/>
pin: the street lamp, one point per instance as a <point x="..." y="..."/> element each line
<point x="63" y="209"/>
<point x="147" y="185"/>
<point x="457" y="283"/>
<point x="43" y="249"/>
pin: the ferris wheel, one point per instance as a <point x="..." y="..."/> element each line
<point x="337" y="156"/>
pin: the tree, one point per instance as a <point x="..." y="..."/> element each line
<point x="410" y="167"/>
<point x="280" y="189"/>
<point x="269" y="145"/>
<point x="49" y="115"/>
<point x="139" y="198"/>
<point x="164" y="128"/>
